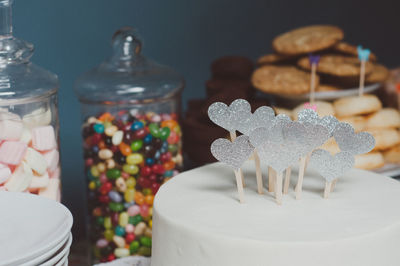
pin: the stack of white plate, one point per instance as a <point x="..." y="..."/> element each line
<point x="33" y="230"/>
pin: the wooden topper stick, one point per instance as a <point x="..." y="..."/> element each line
<point x="239" y="185"/>
<point x="333" y="184"/>
<point x="271" y="179"/>
<point x="286" y="185"/>
<point x="233" y="137"/>
<point x="362" y="78"/>
<point x="258" y="173"/>
<point x="312" y="85"/>
<point x="278" y="188"/>
<point x="302" y="168"/>
<point x="328" y="187"/>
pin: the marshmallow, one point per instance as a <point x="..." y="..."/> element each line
<point x="36" y="161"/>
<point x="5" y="173"/>
<point x="52" y="158"/>
<point x="12" y="152"/>
<point x="26" y="135"/>
<point x="43" y="138"/>
<point x="40" y="181"/>
<point x="10" y="126"/>
<point x="39" y="117"/>
<point x="20" y="179"/>
<point x="52" y="190"/>
<point x="56" y="173"/>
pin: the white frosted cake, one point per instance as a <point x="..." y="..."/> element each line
<point x="198" y="221"/>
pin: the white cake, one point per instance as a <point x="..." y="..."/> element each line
<point x="198" y="221"/>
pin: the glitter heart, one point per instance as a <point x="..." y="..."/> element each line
<point x="311" y="116"/>
<point x="229" y="117"/>
<point x="331" y="167"/>
<point x="233" y="153"/>
<point x="354" y="143"/>
<point x="262" y="117"/>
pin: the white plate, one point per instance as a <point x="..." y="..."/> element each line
<point x="63" y="261"/>
<point x="48" y="255"/>
<point x="328" y="95"/>
<point x="30" y="226"/>
<point x="64" y="252"/>
<point x="392" y="170"/>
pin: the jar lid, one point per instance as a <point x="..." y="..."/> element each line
<point x="20" y="80"/>
<point x="127" y="76"/>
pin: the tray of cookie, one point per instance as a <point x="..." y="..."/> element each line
<point x="286" y="72"/>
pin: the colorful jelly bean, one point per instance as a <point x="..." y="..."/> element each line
<point x="128" y="156"/>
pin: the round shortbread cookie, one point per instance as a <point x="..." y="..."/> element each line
<point x="379" y="74"/>
<point x="385" y="138"/>
<point x="346" y="48"/>
<point x="323" y="109"/>
<point x="337" y="65"/>
<point x="392" y="155"/>
<point x="283" y="111"/>
<point x="282" y="80"/>
<point x="384" y="118"/>
<point x="358" y="122"/>
<point x="357" y="105"/>
<point x="369" y="161"/>
<point x="307" y="39"/>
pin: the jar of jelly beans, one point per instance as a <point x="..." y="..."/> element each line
<point x="29" y="156"/>
<point x="131" y="145"/>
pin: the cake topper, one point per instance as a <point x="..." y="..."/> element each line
<point x="233" y="154"/>
<point x="363" y="56"/>
<point x="280" y="143"/>
<point x="314" y="60"/>
<point x="331" y="167"/>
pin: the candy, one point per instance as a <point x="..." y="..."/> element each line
<point x="10" y="129"/>
<point x="39" y="117"/>
<point x="43" y="138"/>
<point x="128" y="155"/>
<point x="26" y="136"/>
<point x="5" y="173"/>
<point x="40" y="181"/>
<point x="36" y="161"/>
<point x="12" y="152"/>
<point x="52" y="191"/>
<point x="20" y="179"/>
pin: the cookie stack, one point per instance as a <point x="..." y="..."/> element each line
<point x="364" y="113"/>
<point x="230" y="80"/>
<point x="287" y="70"/>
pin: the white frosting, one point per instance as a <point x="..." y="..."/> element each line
<point x="198" y="221"/>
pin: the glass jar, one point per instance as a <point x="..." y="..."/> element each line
<point x="131" y="144"/>
<point x="29" y="156"/>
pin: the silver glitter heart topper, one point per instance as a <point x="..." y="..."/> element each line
<point x="233" y="153"/>
<point x="262" y="117"/>
<point x="354" y="143"/>
<point x="331" y="167"/>
<point x="310" y="116"/>
<point x="229" y="117"/>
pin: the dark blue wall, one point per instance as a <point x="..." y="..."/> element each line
<point x="72" y="36"/>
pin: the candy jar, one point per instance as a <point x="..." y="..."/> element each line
<point x="29" y="157"/>
<point x="131" y="145"/>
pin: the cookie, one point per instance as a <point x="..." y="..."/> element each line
<point x="282" y="80"/>
<point x="349" y="49"/>
<point x="283" y="111"/>
<point x="337" y="65"/>
<point x="358" y="122"/>
<point x="392" y="155"/>
<point x="237" y="67"/>
<point x="276" y="59"/>
<point x="384" y="118"/>
<point x="323" y="109"/>
<point x="229" y="86"/>
<point x="385" y="138"/>
<point x="326" y="87"/>
<point x="357" y="105"/>
<point x="369" y="161"/>
<point x="379" y="74"/>
<point x="307" y="39"/>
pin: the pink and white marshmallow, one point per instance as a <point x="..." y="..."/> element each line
<point x="12" y="152"/>
<point x="20" y="179"/>
<point x="5" y="173"/>
<point x="52" y="158"/>
<point x="36" y="161"/>
<point x="43" y="138"/>
<point x="10" y="126"/>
